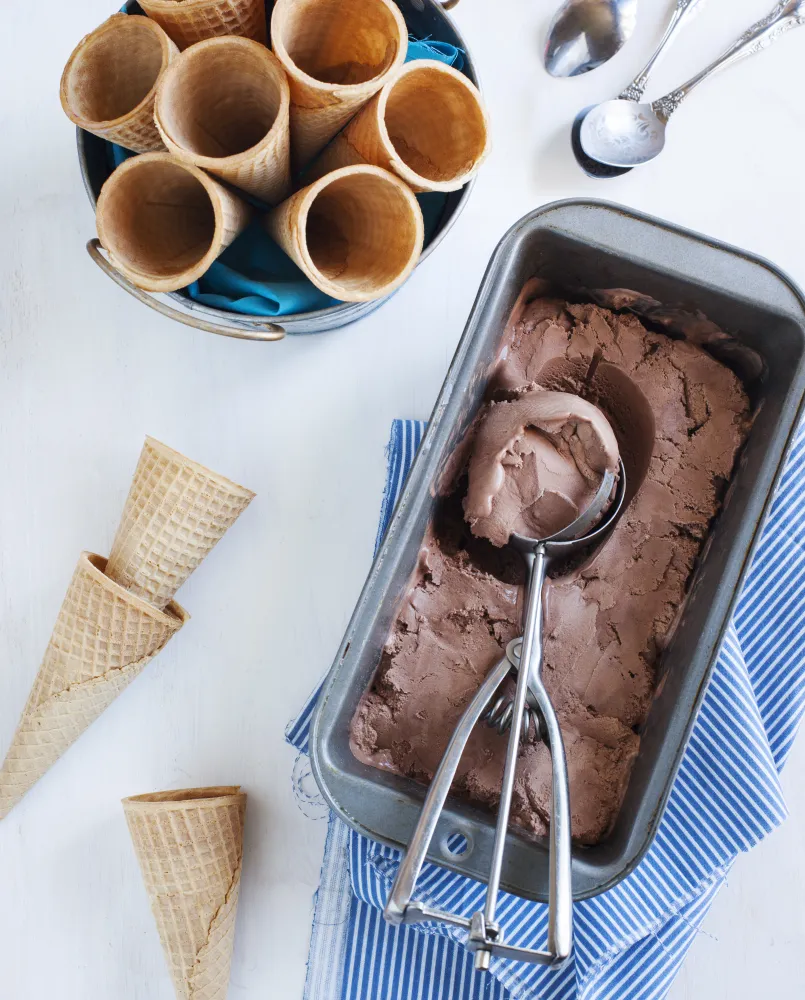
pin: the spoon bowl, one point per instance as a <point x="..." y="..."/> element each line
<point x="591" y="167"/>
<point x="584" y="34"/>
<point x="622" y="133"/>
<point x="682" y="12"/>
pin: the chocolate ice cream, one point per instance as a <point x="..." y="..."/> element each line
<point x="537" y="463"/>
<point x="680" y="417"/>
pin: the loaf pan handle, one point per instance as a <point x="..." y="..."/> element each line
<point x="259" y="331"/>
<point x="623" y="231"/>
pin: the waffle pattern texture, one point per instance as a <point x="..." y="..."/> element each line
<point x="95" y="67"/>
<point x="150" y="181"/>
<point x="380" y="207"/>
<point x="102" y="639"/>
<point x="331" y="35"/>
<point x="108" y="629"/>
<point x="435" y="141"/>
<point x="253" y="78"/>
<point x="189" y="21"/>
<point x="138" y="133"/>
<point x="175" y="513"/>
<point x="189" y="845"/>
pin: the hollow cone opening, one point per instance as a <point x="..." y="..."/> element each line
<point x="113" y="70"/>
<point x="158" y="219"/>
<point x="343" y="42"/>
<point x="435" y="121"/>
<point x="220" y="99"/>
<point x="361" y="234"/>
<point x="181" y="795"/>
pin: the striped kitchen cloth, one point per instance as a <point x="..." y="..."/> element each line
<point x="630" y="941"/>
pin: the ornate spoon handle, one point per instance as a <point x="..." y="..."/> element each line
<point x="786" y="14"/>
<point x="682" y="13"/>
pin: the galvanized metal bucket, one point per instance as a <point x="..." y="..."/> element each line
<point x="425" y="19"/>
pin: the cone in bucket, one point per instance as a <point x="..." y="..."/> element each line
<point x="337" y="54"/>
<point x="163" y="222"/>
<point x="189" y="845"/>
<point x="427" y="125"/>
<point x="356" y="233"/>
<point x="109" y="83"/>
<point x="176" y="511"/>
<point x="102" y="639"/>
<point x="191" y="21"/>
<point x="224" y="107"/>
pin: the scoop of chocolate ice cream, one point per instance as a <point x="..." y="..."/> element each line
<point x="536" y="465"/>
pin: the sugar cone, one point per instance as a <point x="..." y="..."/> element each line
<point x="427" y="125"/>
<point x="109" y="83"/>
<point x="191" y="21"/>
<point x="356" y="233"/>
<point x="102" y="639"/>
<point x="175" y="513"/>
<point x="163" y="222"/>
<point x="224" y="107"/>
<point x="337" y="54"/>
<point x="189" y="845"/>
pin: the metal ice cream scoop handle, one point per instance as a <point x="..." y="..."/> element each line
<point x="622" y="133"/>
<point x="485" y="937"/>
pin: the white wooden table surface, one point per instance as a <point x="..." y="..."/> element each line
<point x="86" y="372"/>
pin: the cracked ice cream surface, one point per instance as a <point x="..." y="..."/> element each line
<point x="680" y="417"/>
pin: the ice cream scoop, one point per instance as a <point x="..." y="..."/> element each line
<point x="580" y="433"/>
<point x="537" y="463"/>
<point x="580" y="447"/>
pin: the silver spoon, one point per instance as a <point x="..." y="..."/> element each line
<point x="485" y="937"/>
<point x="584" y="34"/>
<point x="681" y="15"/>
<point x="622" y="133"/>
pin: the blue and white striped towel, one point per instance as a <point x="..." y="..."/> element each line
<point x="631" y="941"/>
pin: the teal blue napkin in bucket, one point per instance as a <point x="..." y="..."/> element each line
<point x="255" y="277"/>
<point x="429" y="48"/>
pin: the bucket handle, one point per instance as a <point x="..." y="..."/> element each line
<point x="257" y="331"/>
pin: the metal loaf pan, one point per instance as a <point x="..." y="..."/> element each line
<point x="579" y="244"/>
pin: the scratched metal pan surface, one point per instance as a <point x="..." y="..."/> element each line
<point x="579" y="244"/>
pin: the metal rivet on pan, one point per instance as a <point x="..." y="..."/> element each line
<point x="456" y="844"/>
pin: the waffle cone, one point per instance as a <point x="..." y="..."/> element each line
<point x="337" y="54"/>
<point x="224" y="107"/>
<point x="190" y="845"/>
<point x="109" y="83"/>
<point x="427" y="125"/>
<point x="163" y="222"/>
<point x="356" y="233"/>
<point x="175" y="513"/>
<point x="191" y="21"/>
<point x="102" y="639"/>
